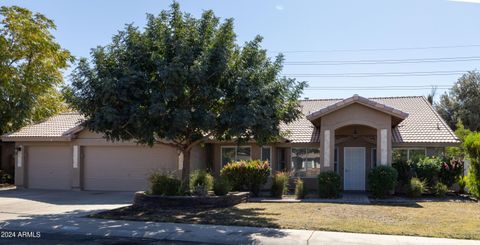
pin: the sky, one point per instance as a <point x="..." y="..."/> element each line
<point x="366" y="47"/>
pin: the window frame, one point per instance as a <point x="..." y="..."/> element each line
<point x="236" y="152"/>
<point x="372" y="154"/>
<point x="306" y="152"/>
<point x="261" y="153"/>
<point x="411" y="148"/>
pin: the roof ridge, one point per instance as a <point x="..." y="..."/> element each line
<point x="384" y="97"/>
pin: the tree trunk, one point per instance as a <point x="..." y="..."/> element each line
<point x="186" y="165"/>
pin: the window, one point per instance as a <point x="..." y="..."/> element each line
<point x="305" y="161"/>
<point x="404" y="154"/>
<point x="266" y="153"/>
<point x="373" y="157"/>
<point x="235" y="153"/>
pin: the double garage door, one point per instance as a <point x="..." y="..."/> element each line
<point x="110" y="168"/>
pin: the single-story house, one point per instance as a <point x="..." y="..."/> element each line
<point x="348" y="136"/>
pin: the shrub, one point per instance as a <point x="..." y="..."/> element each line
<point x="416" y="187"/>
<point x="329" y="184"/>
<point x="221" y="186"/>
<point x="462" y="182"/>
<point x="164" y="184"/>
<point x="4" y="177"/>
<point x="404" y="171"/>
<point x="247" y="175"/>
<point x="428" y="169"/>
<point x="472" y="146"/>
<point x="200" y="182"/>
<point x="440" y="189"/>
<point x="279" y="184"/>
<point x="450" y="171"/>
<point x="300" y="189"/>
<point x="382" y="180"/>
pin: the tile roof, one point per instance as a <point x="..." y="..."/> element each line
<point x="422" y="125"/>
<point x="55" y="127"/>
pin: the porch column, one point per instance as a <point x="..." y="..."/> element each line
<point x="384" y="146"/>
<point x="327" y="148"/>
<point x="76" y="168"/>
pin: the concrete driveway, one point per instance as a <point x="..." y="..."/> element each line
<point x="26" y="203"/>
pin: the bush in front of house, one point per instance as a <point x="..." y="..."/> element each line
<point x="279" y="184"/>
<point x="200" y="182"/>
<point x="329" y="184"/>
<point x="382" y="180"/>
<point x="5" y="178"/>
<point x="301" y="190"/>
<point x="416" y="187"/>
<point x="462" y="182"/>
<point x="247" y="175"/>
<point x="440" y="189"/>
<point x="450" y="171"/>
<point x="472" y="146"/>
<point x="165" y="184"/>
<point x="405" y="173"/>
<point x="428" y="169"/>
<point x="221" y="186"/>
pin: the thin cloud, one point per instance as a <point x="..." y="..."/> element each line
<point x="280" y="7"/>
<point x="465" y="1"/>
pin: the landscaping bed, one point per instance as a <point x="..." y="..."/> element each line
<point x="450" y="219"/>
<point x="143" y="200"/>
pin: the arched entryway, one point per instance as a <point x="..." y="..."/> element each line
<point x="355" y="149"/>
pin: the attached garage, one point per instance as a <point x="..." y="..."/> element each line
<point x="49" y="167"/>
<point x="124" y="168"/>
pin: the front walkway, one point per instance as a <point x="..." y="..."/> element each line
<point x="347" y="198"/>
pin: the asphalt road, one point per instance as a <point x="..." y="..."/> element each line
<point x="60" y="239"/>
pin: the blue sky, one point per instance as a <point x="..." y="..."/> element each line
<point x="334" y="30"/>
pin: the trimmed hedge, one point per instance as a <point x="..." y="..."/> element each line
<point x="247" y="175"/>
<point x="165" y="184"/>
<point x="329" y="184"/>
<point x="382" y="180"/>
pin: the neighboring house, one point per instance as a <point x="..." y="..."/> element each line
<point x="348" y="136"/>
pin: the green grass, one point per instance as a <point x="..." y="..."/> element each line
<point x="433" y="219"/>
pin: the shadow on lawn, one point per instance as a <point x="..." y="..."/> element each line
<point x="216" y="216"/>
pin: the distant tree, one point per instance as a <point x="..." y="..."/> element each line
<point x="462" y="103"/>
<point x="182" y="81"/>
<point x="30" y="68"/>
<point x="431" y="95"/>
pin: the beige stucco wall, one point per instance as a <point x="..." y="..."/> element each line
<point x="354" y="114"/>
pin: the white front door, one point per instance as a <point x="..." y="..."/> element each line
<point x="354" y="168"/>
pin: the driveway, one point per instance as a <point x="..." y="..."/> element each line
<point x="26" y="204"/>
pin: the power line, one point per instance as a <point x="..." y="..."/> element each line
<point x="378" y="49"/>
<point x="385" y="61"/>
<point x="379" y="74"/>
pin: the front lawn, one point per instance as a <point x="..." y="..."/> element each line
<point x="434" y="219"/>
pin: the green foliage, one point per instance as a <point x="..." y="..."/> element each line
<point x="458" y="151"/>
<point x="440" y="189"/>
<point x="472" y="146"/>
<point x="279" y="184"/>
<point x="200" y="182"/>
<point x="462" y="182"/>
<point x="221" y="186"/>
<point x="416" y="187"/>
<point x="184" y="80"/>
<point x="428" y="169"/>
<point x="450" y="171"/>
<point x="301" y="190"/>
<point x="164" y="184"/>
<point x="329" y="184"/>
<point x="404" y="171"/>
<point x="5" y="178"/>
<point x="246" y="175"/>
<point x="382" y="180"/>
<point x="31" y="64"/>
<point x="461" y="103"/>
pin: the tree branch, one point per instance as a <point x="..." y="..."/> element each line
<point x="196" y="142"/>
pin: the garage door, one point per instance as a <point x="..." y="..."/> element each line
<point x="49" y="167"/>
<point x="124" y="168"/>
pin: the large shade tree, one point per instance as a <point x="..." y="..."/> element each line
<point x="181" y="81"/>
<point x="462" y="102"/>
<point x="31" y="64"/>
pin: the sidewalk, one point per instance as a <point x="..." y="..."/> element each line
<point x="74" y="224"/>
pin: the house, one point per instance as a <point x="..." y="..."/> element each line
<point x="348" y="136"/>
